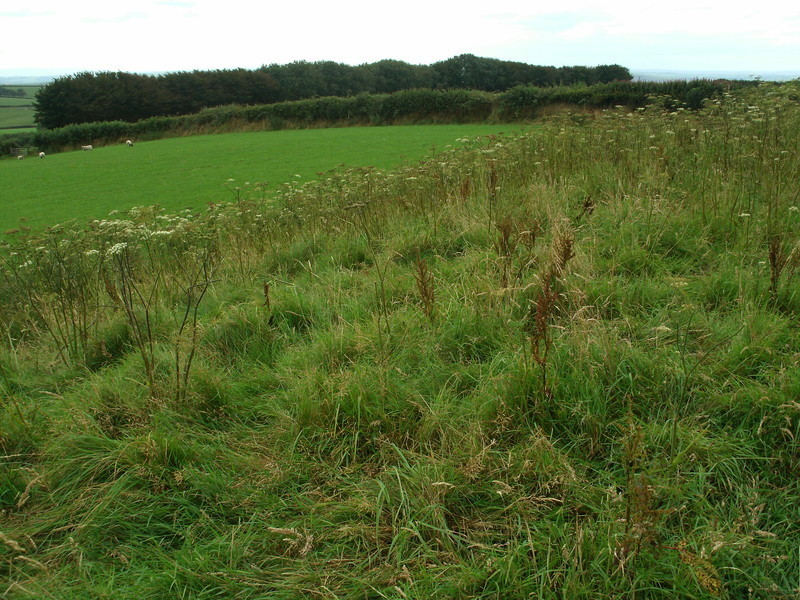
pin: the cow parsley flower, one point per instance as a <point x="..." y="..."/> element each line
<point x="117" y="248"/>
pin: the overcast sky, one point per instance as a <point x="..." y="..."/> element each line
<point x="176" y="35"/>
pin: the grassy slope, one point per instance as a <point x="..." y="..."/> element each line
<point x="193" y="171"/>
<point x="554" y="367"/>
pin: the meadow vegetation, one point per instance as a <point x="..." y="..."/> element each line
<point x="558" y="364"/>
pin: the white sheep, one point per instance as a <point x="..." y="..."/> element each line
<point x="20" y="157"/>
<point x="41" y="154"/>
<point x="129" y="143"/>
<point x="89" y="147"/>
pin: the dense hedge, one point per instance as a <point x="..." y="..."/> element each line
<point x="405" y="106"/>
<point x="525" y="100"/>
<point x="109" y="96"/>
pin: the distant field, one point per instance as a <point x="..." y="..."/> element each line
<point x="13" y="130"/>
<point x="16" y="117"/>
<point x="4" y="101"/>
<point x="193" y="171"/>
<point x="30" y="91"/>
<point x="17" y="112"/>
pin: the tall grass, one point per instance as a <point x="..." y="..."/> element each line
<point x="558" y="364"/>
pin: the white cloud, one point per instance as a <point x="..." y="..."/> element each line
<point x="169" y="35"/>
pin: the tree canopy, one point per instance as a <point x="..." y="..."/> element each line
<point x="105" y="96"/>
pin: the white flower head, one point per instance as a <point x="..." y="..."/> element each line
<point x="117" y="248"/>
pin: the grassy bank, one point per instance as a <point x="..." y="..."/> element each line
<point x="563" y="364"/>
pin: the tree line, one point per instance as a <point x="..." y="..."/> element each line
<point x="119" y="96"/>
<point x="8" y="92"/>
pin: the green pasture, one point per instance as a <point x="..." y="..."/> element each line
<point x="17" y="112"/>
<point x="16" y="130"/>
<point x="4" y="101"/>
<point x="11" y="117"/>
<point x="190" y="172"/>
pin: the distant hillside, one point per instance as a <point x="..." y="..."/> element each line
<point x="30" y="76"/>
<point x="22" y="80"/>
<point x="677" y="74"/>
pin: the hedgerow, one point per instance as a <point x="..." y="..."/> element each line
<point x="415" y="105"/>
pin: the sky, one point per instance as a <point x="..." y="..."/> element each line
<point x="143" y="36"/>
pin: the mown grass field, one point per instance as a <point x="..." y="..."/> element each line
<point x="563" y="364"/>
<point x="190" y="172"/>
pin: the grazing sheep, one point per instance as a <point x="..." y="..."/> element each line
<point x="89" y="147"/>
<point x="129" y="143"/>
<point x="20" y="157"/>
<point x="41" y="154"/>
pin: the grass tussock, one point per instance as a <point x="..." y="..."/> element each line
<point x="562" y="364"/>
